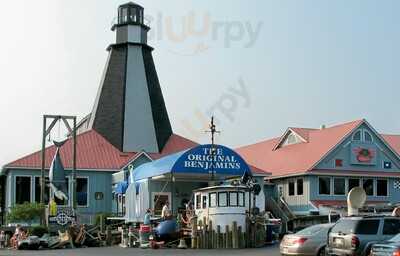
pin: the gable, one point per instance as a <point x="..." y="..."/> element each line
<point x="291" y="137"/>
<point x="362" y="150"/>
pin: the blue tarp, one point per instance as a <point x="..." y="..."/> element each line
<point x="121" y="187"/>
<point x="198" y="160"/>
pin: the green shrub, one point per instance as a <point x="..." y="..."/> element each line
<point x="38" y="231"/>
<point x="25" y="212"/>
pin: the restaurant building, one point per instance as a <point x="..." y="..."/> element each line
<point x="128" y="126"/>
<point x="314" y="169"/>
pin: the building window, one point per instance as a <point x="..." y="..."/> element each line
<point x="233" y="199"/>
<point x="300" y="187"/>
<point x="339" y="186"/>
<point x="291" y="188"/>
<point x="213" y="200"/>
<point x="381" y="188"/>
<point x="222" y="199"/>
<point x="241" y="199"/>
<point x="357" y="136"/>
<point x="82" y="191"/>
<point x="204" y="202"/>
<point x="22" y="189"/>
<point x="324" y="186"/>
<point x="46" y="190"/>
<point x="338" y="162"/>
<point x="353" y="183"/>
<point x="368" y="185"/>
<point x="198" y="201"/>
<point x="387" y="165"/>
<point x="367" y="136"/>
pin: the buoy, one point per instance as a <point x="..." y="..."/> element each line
<point x="182" y="244"/>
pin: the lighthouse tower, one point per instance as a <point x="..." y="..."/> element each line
<point x="129" y="110"/>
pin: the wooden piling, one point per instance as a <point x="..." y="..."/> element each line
<point x="239" y="234"/>
<point x="218" y="245"/>
<point x="235" y="236"/>
<point x="227" y="237"/>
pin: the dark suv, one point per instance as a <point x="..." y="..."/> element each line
<point x="356" y="235"/>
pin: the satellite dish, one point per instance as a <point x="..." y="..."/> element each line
<point x="355" y="200"/>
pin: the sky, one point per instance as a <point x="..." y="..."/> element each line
<point x="259" y="66"/>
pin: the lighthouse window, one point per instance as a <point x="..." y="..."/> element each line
<point x="368" y="185"/>
<point x="22" y="189"/>
<point x="213" y="200"/>
<point x="233" y="199"/>
<point x="241" y="199"/>
<point x="222" y="199"/>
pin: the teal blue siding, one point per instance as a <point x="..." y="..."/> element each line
<point x="99" y="181"/>
<point x="343" y="151"/>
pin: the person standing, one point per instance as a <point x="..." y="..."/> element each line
<point x="147" y="217"/>
<point x="166" y="212"/>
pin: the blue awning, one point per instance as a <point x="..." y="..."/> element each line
<point x="200" y="160"/>
<point x="121" y="187"/>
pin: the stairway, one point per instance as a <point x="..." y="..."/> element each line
<point x="280" y="210"/>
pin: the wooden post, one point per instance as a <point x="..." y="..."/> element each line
<point x="74" y="165"/>
<point x="210" y="235"/>
<point x="42" y="175"/>
<point x="240" y="241"/>
<point x="218" y="237"/>
<point x="235" y="236"/>
<point x="223" y="241"/>
<point x="227" y="237"/>
<point x="108" y="236"/>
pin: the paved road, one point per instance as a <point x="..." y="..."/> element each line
<point x="117" y="251"/>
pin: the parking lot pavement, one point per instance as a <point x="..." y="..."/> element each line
<point x="117" y="251"/>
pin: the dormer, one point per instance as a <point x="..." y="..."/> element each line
<point x="292" y="136"/>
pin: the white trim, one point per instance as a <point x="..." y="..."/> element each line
<point x="361" y="135"/>
<point x="135" y="157"/>
<point x="15" y="188"/>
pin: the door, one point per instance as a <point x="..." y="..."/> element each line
<point x="159" y="200"/>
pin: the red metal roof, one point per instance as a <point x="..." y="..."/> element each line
<point x="95" y="152"/>
<point x="297" y="158"/>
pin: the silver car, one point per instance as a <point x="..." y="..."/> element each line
<point x="307" y="242"/>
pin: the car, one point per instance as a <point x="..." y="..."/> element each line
<point x="390" y="247"/>
<point x="356" y="235"/>
<point x="307" y="242"/>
